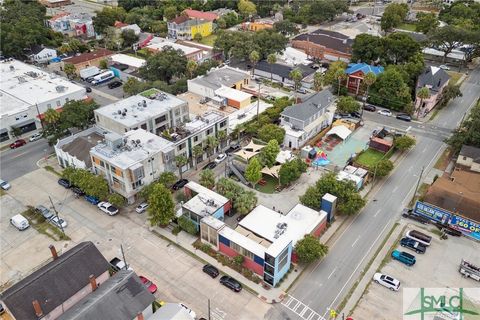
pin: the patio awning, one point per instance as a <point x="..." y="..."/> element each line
<point x="246" y="155"/>
<point x="253" y="147"/>
<point x="340" y="131"/>
<point x="273" y="171"/>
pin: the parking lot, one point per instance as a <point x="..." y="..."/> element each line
<point x="178" y="275"/>
<point x="437" y="268"/>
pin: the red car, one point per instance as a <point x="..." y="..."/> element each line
<point x="18" y="143"/>
<point x="149" y="284"/>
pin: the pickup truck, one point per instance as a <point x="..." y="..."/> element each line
<point x="469" y="270"/>
<point x="118" y="264"/>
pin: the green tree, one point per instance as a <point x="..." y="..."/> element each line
<point x="426" y="22"/>
<point x="221" y="23"/>
<point x="368" y="80"/>
<point x="347" y="104"/>
<point x="309" y="249"/>
<point x="399" y="48"/>
<point x="390" y="90"/>
<point x="197" y="151"/>
<point x="269" y="153"/>
<point x="170" y="12"/>
<point x="404" y="143"/>
<point x="318" y="81"/>
<point x="447" y="38"/>
<point x="246" y="8"/>
<point x="393" y="16"/>
<point x="51" y="116"/>
<point x="187" y="225"/>
<point x="290" y="171"/>
<point x="107" y="17"/>
<point x="285" y="27"/>
<point x="78" y="114"/>
<point x="16" y="132"/>
<point x="129" y="37"/>
<point x="271" y="59"/>
<point x="180" y="161"/>
<point x="467" y="132"/>
<point x="253" y="172"/>
<point x="245" y="202"/>
<point x="133" y="86"/>
<point x="229" y="189"/>
<point x="271" y="131"/>
<point x="191" y="68"/>
<point x="341" y="76"/>
<point x="222" y="137"/>
<point x="238" y="260"/>
<point x="296" y="76"/>
<point x="254" y="57"/>
<point x="207" y="178"/>
<point x="198" y="37"/>
<point x="161" y="209"/>
<point x="450" y="92"/>
<point x="422" y="94"/>
<point x="383" y="168"/>
<point x="331" y="76"/>
<point x="117" y="200"/>
<point x="367" y="48"/>
<point x="103" y="64"/>
<point x="164" y="65"/>
<point x="267" y="41"/>
<point x="70" y="70"/>
<point x="211" y="144"/>
<point x="167" y="178"/>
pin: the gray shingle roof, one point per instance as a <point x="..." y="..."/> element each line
<point x="470" y="152"/>
<point x="122" y="297"/>
<point x="223" y="76"/>
<point x="80" y="147"/>
<point x="56" y="282"/>
<point x="433" y="77"/>
<point x="283" y="70"/>
<point x="303" y="111"/>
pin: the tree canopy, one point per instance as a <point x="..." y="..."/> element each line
<point x="468" y="132"/>
<point x="393" y="16"/>
<point x="91" y="184"/>
<point x="391" y="91"/>
<point x="404" y="142"/>
<point x="426" y="22"/>
<point x="314" y="12"/>
<point x="269" y="153"/>
<point x="309" y="249"/>
<point x="107" y="17"/>
<point x="271" y="132"/>
<point x="161" y="208"/>
<point x="165" y="65"/>
<point x="290" y="171"/>
<point x="253" y="171"/>
<point x="207" y="178"/>
<point x="347" y="104"/>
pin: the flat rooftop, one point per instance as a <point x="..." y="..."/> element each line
<point x="139" y="108"/>
<point x="137" y="146"/>
<point x="225" y="76"/>
<point x="205" y="202"/>
<point x="232" y="94"/>
<point x="23" y="85"/>
<point x="203" y="121"/>
<point x="128" y="60"/>
<point x="159" y="45"/>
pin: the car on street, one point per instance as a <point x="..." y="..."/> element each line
<point x="413" y="245"/>
<point x="78" y="192"/>
<point x="220" y="158"/>
<point x="58" y="222"/>
<point x="384" y="112"/>
<point x="369" y="107"/>
<point x="356" y="114"/>
<point x="65" y="183"/>
<point x="152" y="287"/>
<point x="4" y="185"/>
<point x="17" y="143"/>
<point x="19" y="222"/>
<point x="302" y="90"/>
<point x="93" y="200"/>
<point x="114" y="84"/>
<point x="88" y="89"/>
<point x="142" y="207"/>
<point x="44" y="211"/>
<point x="210" y="270"/>
<point x="231" y="283"/>
<point x="108" y="208"/>
<point x="179" y="184"/>
<point x="444" y="67"/>
<point x="233" y="148"/>
<point x="192" y="313"/>
<point x="35" y="137"/>
<point x="210" y="166"/>
<point x="386" y="281"/>
<point x="404" y="117"/>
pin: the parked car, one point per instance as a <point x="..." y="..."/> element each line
<point x="35" y="137"/>
<point x="152" y="287"/>
<point x="302" y="90"/>
<point x="387" y="281"/>
<point x="233" y="148"/>
<point x="17" y="143"/>
<point x="141" y="207"/>
<point x="210" y="270"/>
<point x="114" y="84"/>
<point x="337" y="116"/>
<point x="78" y="192"/>
<point x="190" y="311"/>
<point x="356" y="114"/>
<point x="444" y="67"/>
<point x="108" y="208"/>
<point x="88" y="89"/>
<point x="4" y="185"/>
<point x="45" y="212"/>
<point x="118" y="264"/>
<point x="419" y="236"/>
<point x="404" y="117"/>
<point x="220" y="158"/>
<point x="210" y="166"/>
<point x="179" y="184"/>
<point x="58" y="222"/>
<point x="413" y="245"/>
<point x="65" y="183"/>
<point x="369" y="107"/>
<point x="404" y="257"/>
<point x="89" y="79"/>
<point x="231" y="283"/>
<point x="384" y="112"/>
<point x="19" y="222"/>
<point x="93" y="200"/>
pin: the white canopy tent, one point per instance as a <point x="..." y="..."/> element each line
<point x="341" y="131"/>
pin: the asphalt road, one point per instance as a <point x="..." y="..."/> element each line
<point x="15" y="163"/>
<point x="324" y="285"/>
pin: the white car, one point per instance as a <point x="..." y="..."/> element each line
<point x="220" y="158"/>
<point x="142" y="207"/>
<point x="190" y="311"/>
<point x="387" y="281"/>
<point x="35" y="137"/>
<point x="444" y="67"/>
<point x="58" y="222"/>
<point x="108" y="208"/>
<point x="387" y="113"/>
<point x="4" y="184"/>
<point x="19" y="222"/>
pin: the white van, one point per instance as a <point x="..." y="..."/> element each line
<point x="19" y="222"/>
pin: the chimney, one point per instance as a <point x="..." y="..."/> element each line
<point x="140" y="316"/>
<point x="93" y="282"/>
<point x="38" y="308"/>
<point x="53" y="251"/>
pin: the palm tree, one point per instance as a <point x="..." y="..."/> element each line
<point x="254" y="58"/>
<point x="180" y="161"/>
<point x="318" y="81"/>
<point x="212" y="143"/>
<point x="296" y="76"/>
<point x="368" y="80"/>
<point x="221" y="136"/>
<point x="271" y="59"/>
<point x="197" y="151"/>
<point x="340" y="75"/>
<point x="191" y="68"/>
<point x="423" y="93"/>
<point x="51" y="116"/>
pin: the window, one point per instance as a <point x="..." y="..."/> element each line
<point x="24" y="115"/>
<point x="223" y="123"/>
<point x="209" y="131"/>
<point x="144" y="126"/>
<point x="269" y="269"/>
<point x="96" y="117"/>
<point x="184" y="109"/>
<point x="247" y="254"/>
<point x="160" y="119"/>
<point x="181" y="147"/>
<point x="195" y="139"/>
<point x="464" y="158"/>
<point x="102" y="164"/>
<point x="177" y="112"/>
<point x="235" y="247"/>
<point x="49" y="105"/>
<point x="269" y="259"/>
<point x="58" y="103"/>
<point x="283" y="259"/>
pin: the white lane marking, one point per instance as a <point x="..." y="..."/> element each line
<point x="331" y="274"/>
<point x="305" y="312"/>
<point x="424" y="149"/>
<point x="354" y="242"/>
<point x="395" y="189"/>
<point x="378" y="211"/>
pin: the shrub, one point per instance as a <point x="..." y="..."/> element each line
<point x="187" y="225"/>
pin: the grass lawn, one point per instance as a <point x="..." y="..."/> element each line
<point x="408" y="27"/>
<point x="269" y="187"/>
<point x="455" y="76"/>
<point x="210" y="40"/>
<point x="369" y="158"/>
<point x="149" y="92"/>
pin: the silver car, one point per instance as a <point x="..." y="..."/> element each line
<point x="4" y="184"/>
<point x="142" y="207"/>
<point x="45" y="212"/>
<point x="58" y="222"/>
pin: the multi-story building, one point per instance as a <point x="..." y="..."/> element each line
<point x="356" y="72"/>
<point x="325" y="45"/>
<point x="184" y="28"/>
<point x="73" y="25"/>
<point x="132" y="160"/>
<point x="27" y="92"/>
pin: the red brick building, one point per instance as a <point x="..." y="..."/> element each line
<point x="325" y="45"/>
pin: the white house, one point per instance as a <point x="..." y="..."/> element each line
<point x="41" y="54"/>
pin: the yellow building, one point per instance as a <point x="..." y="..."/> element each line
<point x="256" y="26"/>
<point x="184" y="28"/>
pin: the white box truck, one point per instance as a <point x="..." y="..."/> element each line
<point x="89" y="72"/>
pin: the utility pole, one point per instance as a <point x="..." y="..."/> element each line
<point x="418" y="183"/>
<point x="123" y="256"/>
<point x="56" y="215"/>
<point x="209" y="318"/>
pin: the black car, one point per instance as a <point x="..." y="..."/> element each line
<point x="88" y="89"/>
<point x="210" y="166"/>
<point x="369" y="107"/>
<point x="413" y="245"/>
<point x="79" y="192"/>
<point x="65" y="183"/>
<point x="179" y="184"/>
<point x="233" y="148"/>
<point x="404" y="117"/>
<point x="356" y="114"/>
<point x="240" y="217"/>
<point x="114" y="84"/>
<point x="210" y="270"/>
<point x="231" y="283"/>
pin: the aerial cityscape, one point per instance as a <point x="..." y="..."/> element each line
<point x="239" y="159"/>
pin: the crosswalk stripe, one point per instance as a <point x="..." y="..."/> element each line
<point x="305" y="311"/>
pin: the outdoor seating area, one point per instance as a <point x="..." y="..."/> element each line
<point x="329" y="142"/>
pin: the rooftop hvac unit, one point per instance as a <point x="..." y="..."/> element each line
<point x="60" y="88"/>
<point x="144" y="102"/>
<point x="119" y="111"/>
